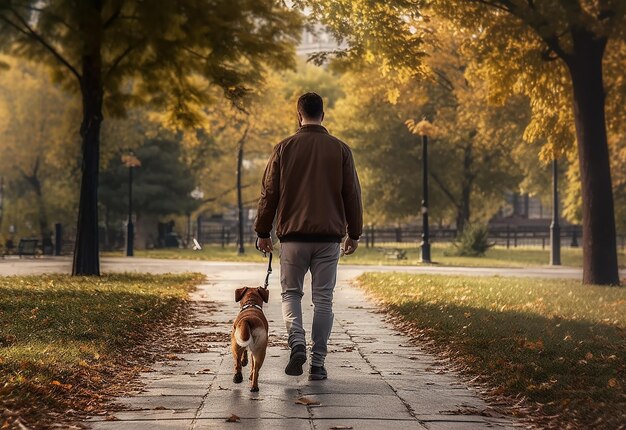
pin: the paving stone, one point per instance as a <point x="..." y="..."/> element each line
<point x="149" y="391"/>
<point x="150" y="415"/>
<point x="360" y="411"/>
<point x="174" y="403"/>
<point x="254" y="423"/>
<point x="370" y="424"/>
<point x="242" y="404"/>
<point x="177" y="424"/>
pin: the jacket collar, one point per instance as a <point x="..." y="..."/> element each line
<point x="315" y="128"/>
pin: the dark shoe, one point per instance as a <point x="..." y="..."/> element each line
<point x="296" y="360"/>
<point x="317" y="373"/>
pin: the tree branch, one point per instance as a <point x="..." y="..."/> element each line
<point x="445" y="190"/>
<point x="244" y="135"/>
<point x="47" y="12"/>
<point x="444" y="81"/>
<point x="29" y="32"/>
<point x="113" y="17"/>
<point x="119" y="59"/>
<point x="222" y="194"/>
<point x="505" y="6"/>
<point x="536" y="21"/>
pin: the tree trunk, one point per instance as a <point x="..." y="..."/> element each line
<point x="1" y="200"/>
<point x="463" y="208"/>
<point x="86" y="250"/>
<point x="241" y="249"/>
<point x="41" y="206"/>
<point x="33" y="180"/>
<point x="599" y="241"/>
<point x="107" y="229"/>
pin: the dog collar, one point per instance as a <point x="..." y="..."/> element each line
<point x="251" y="305"/>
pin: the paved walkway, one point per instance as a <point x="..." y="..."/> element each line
<point x="377" y="380"/>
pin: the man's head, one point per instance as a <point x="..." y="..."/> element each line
<point x="310" y="109"/>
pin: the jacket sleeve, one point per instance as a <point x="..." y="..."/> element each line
<point x="266" y="209"/>
<point x="351" y="193"/>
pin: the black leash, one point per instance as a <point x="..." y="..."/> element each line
<point x="269" y="264"/>
<point x="269" y="272"/>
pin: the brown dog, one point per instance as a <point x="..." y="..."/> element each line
<point x="250" y="332"/>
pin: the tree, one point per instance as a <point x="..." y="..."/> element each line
<point x="563" y="45"/>
<point x="566" y="40"/>
<point x="122" y="52"/>
<point x="37" y="145"/>
<point x="470" y="170"/>
<point x="161" y="186"/>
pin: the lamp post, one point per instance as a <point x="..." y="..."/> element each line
<point x="195" y="194"/>
<point x="130" y="161"/>
<point x="555" y="229"/>
<point x="424" y="128"/>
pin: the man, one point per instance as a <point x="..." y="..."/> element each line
<point x="311" y="187"/>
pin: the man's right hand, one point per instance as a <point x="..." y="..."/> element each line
<point x="350" y="245"/>
<point x="265" y="244"/>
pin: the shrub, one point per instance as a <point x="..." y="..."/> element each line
<point x="473" y="241"/>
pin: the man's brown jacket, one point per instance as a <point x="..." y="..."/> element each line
<point x="311" y="186"/>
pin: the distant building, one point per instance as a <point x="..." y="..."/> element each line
<point x="317" y="40"/>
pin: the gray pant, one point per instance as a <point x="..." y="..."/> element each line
<point x="296" y="258"/>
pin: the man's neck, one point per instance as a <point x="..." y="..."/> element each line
<point x="309" y="122"/>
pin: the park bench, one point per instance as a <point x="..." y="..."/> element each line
<point x="8" y="248"/>
<point x="393" y="253"/>
<point x="27" y="247"/>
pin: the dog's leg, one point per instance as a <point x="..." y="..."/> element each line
<point x="244" y="360"/>
<point x="237" y="355"/>
<point x="258" y="357"/>
<point x="252" y="365"/>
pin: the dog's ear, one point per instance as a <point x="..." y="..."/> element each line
<point x="265" y="293"/>
<point x="239" y="292"/>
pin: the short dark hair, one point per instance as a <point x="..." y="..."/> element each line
<point x="310" y="105"/>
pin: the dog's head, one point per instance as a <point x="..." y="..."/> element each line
<point x="255" y="295"/>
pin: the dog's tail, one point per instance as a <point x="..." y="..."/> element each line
<point x="242" y="334"/>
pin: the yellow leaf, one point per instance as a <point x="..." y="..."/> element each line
<point x="233" y="419"/>
<point x="61" y="385"/>
<point x="306" y="401"/>
<point x="612" y="383"/>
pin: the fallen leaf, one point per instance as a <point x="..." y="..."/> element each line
<point x="233" y="419"/>
<point x="172" y="357"/>
<point x="160" y="408"/>
<point x="111" y="418"/>
<point x="588" y="356"/>
<point x="306" y="401"/>
<point x="612" y="383"/>
<point x="62" y="385"/>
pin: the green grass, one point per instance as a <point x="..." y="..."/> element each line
<point x="557" y="342"/>
<point x="495" y="257"/>
<point x="62" y="338"/>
